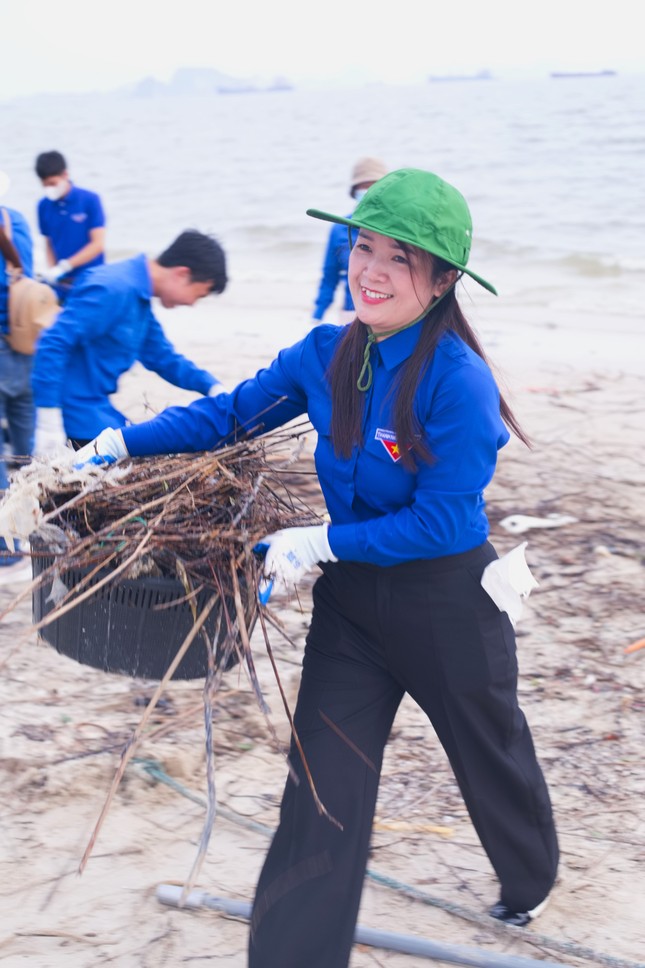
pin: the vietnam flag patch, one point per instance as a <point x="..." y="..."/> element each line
<point x="388" y="439"/>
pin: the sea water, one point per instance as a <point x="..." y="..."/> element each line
<point x="553" y="171"/>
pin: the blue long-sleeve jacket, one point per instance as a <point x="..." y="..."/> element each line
<point x="380" y="512"/>
<point x="21" y="238"/>
<point x="106" y="325"/>
<point x="334" y="271"/>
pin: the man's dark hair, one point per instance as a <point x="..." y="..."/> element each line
<point x="200" y="253"/>
<point x="50" y="163"/>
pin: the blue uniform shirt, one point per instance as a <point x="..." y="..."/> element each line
<point x="21" y="238"/>
<point x="105" y="326"/>
<point x="380" y="512"/>
<point x="67" y="224"/>
<point x="334" y="271"/>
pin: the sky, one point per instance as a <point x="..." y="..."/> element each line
<point x="83" y="47"/>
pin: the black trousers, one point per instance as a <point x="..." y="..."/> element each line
<point x="429" y="629"/>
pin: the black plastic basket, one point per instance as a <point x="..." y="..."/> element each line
<point x="131" y="626"/>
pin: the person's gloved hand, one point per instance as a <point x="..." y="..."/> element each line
<point x="50" y="438"/>
<point x="107" y="448"/>
<point x="216" y="389"/>
<point x="291" y="553"/>
<point x="53" y="273"/>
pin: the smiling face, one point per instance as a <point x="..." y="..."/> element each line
<point x="390" y="287"/>
<point x="175" y="287"/>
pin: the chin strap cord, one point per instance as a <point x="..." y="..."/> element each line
<point x="366" y="375"/>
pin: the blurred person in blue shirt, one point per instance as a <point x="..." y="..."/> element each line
<point x="365" y="172"/>
<point x="16" y="398"/>
<point x="106" y="325"/>
<point x="409" y="423"/>
<point x="73" y="223"/>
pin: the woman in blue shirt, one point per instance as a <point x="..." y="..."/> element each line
<point x="409" y="422"/>
<point x="16" y="399"/>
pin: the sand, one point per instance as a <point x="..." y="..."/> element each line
<point x="62" y="725"/>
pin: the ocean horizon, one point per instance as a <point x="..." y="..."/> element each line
<point x="551" y="170"/>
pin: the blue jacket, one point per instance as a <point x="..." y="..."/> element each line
<point x="105" y="326"/>
<point x="67" y="224"/>
<point x="380" y="512"/>
<point x="21" y="238"/>
<point x="334" y="271"/>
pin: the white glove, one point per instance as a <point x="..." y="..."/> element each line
<point x="509" y="582"/>
<point x="216" y="389"/>
<point x="53" y="273"/>
<point x="107" y="448"/>
<point x="50" y="439"/>
<point x="292" y="552"/>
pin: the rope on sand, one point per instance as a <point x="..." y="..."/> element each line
<point x="570" y="948"/>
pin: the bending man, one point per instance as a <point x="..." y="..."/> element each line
<point x="107" y="325"/>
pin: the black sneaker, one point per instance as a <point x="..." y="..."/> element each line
<point x="519" y="919"/>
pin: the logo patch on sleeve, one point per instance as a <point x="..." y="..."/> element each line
<point x="388" y="439"/>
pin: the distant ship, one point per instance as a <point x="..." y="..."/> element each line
<point x="479" y="76"/>
<point x="256" y="87"/>
<point x="280" y="84"/>
<point x="560" y="74"/>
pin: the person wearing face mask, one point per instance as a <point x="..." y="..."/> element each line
<point x="73" y="223"/>
<point x="409" y="424"/>
<point x="106" y="325"/>
<point x="365" y="172"/>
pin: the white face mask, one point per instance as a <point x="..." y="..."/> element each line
<point x="55" y="192"/>
<point x="359" y="193"/>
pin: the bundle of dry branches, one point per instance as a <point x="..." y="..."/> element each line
<point x="174" y="516"/>
<point x="193" y="518"/>
<point x="173" y="529"/>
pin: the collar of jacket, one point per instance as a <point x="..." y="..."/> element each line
<point x="142" y="277"/>
<point x="398" y="347"/>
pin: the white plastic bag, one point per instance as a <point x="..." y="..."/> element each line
<point x="509" y="582"/>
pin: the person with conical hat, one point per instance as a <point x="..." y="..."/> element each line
<point x="365" y="172"/>
<point x="409" y="422"/>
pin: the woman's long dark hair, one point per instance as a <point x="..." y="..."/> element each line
<point x="7" y="248"/>
<point x="348" y="401"/>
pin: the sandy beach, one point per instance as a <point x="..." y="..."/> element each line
<point x="62" y="725"/>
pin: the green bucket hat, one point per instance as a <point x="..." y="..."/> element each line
<point x="419" y="208"/>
